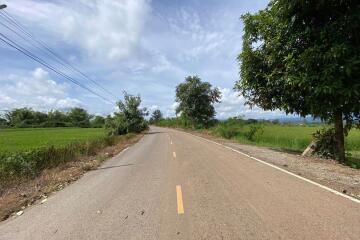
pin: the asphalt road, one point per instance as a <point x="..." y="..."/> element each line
<point x="172" y="185"/>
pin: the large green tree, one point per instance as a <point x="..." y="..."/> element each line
<point x="79" y="117"/>
<point x="196" y="99"/>
<point x="303" y="57"/>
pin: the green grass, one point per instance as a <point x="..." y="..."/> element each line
<point x="14" y="140"/>
<point x="292" y="137"/>
<point x="25" y="153"/>
<point x="295" y="138"/>
<point x="287" y="137"/>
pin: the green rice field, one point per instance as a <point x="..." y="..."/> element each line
<point x="22" y="139"/>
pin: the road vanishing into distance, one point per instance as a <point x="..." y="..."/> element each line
<point x="173" y="185"/>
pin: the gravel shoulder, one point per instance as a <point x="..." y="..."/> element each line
<point x="324" y="171"/>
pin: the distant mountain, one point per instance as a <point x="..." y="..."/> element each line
<point x="293" y="119"/>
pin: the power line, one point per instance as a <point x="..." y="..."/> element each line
<point x="16" y="46"/>
<point x="7" y="16"/>
<point x="48" y="51"/>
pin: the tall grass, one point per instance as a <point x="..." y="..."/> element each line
<point x="28" y="164"/>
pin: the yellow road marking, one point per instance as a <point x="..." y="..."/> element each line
<point x="180" y="205"/>
<point x="174" y="154"/>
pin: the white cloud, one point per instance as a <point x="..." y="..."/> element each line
<point x="101" y="28"/>
<point x="36" y="90"/>
<point x="232" y="105"/>
<point x="202" y="38"/>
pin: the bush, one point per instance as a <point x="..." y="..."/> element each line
<point x="229" y="128"/>
<point x="255" y="131"/>
<point x="325" y="143"/>
<point x="130" y="118"/>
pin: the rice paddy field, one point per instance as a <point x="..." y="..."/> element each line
<point x="23" y="139"/>
<point x="295" y="137"/>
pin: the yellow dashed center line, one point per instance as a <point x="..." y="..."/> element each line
<point x="180" y="205"/>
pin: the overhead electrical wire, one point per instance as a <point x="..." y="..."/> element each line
<point x="18" y="25"/>
<point x="16" y="46"/>
<point x="49" y="52"/>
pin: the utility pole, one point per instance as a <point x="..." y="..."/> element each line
<point x="2" y="6"/>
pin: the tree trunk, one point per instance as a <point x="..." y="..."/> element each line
<point x="339" y="137"/>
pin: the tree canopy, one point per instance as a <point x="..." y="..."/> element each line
<point x="196" y="99"/>
<point x="129" y="119"/>
<point x="79" y="117"/>
<point x="303" y="57"/>
<point x="27" y="117"/>
<point x="156" y="116"/>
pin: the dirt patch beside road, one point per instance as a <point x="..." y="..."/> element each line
<point x="25" y="193"/>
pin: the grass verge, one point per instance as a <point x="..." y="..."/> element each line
<point x="30" y="176"/>
<point x="285" y="137"/>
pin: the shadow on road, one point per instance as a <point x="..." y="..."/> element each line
<point x="148" y="133"/>
<point x="118" y="166"/>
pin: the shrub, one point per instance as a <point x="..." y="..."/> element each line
<point x="129" y="119"/>
<point x="255" y="131"/>
<point x="325" y="143"/>
<point x="229" y="128"/>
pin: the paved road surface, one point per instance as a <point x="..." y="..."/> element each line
<point x="172" y="185"/>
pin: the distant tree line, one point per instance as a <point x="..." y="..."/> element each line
<point x="28" y="118"/>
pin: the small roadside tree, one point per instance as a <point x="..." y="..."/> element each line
<point x="129" y="119"/>
<point x="303" y="57"/>
<point x="196" y="99"/>
<point x="156" y="116"/>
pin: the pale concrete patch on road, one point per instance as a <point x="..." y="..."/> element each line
<point x="174" y="154"/>
<point x="179" y="198"/>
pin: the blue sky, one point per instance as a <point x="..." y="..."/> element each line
<point x="139" y="46"/>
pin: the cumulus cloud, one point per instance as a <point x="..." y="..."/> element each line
<point x="100" y="28"/>
<point x="234" y="105"/>
<point x="36" y="90"/>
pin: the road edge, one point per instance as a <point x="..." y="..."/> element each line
<point x="277" y="168"/>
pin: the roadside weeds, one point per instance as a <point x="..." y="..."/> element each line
<point x="15" y="197"/>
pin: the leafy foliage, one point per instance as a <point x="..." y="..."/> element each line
<point x="255" y="131"/>
<point x="79" y="117"/>
<point x="196" y="99"/>
<point x="325" y="143"/>
<point x="156" y="116"/>
<point x="230" y="128"/>
<point x="303" y="57"/>
<point x="97" y="122"/>
<point x="26" y="117"/>
<point x="129" y="119"/>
